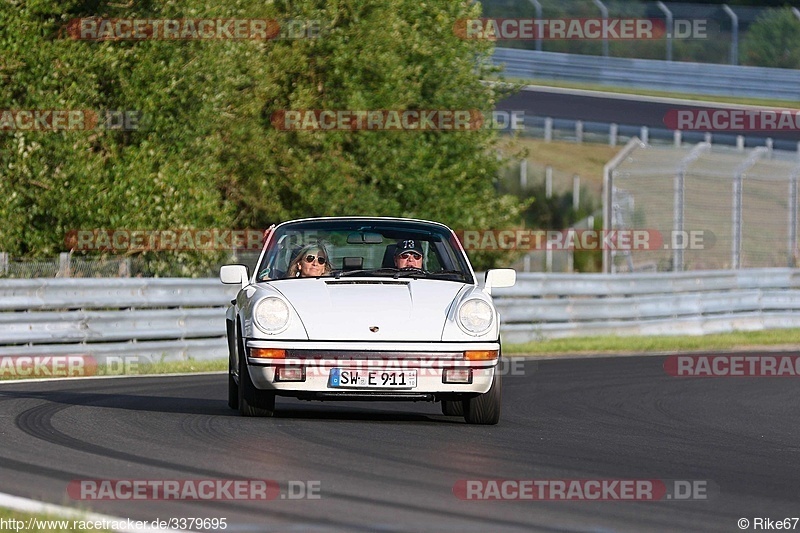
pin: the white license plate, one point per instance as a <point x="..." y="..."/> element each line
<point x="360" y="378"/>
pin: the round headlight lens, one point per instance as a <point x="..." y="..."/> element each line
<point x="271" y="314"/>
<point x="475" y="316"/>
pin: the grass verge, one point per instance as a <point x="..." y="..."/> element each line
<point x="739" y="340"/>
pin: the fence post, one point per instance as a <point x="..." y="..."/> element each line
<point x="608" y="196"/>
<point x="579" y="131"/>
<point x="4" y="263"/>
<point x="548" y="182"/>
<point x="548" y="129"/>
<point x="677" y="138"/>
<point x="576" y="192"/>
<point x="613" y="133"/>
<point x="63" y="265"/>
<point x="792" y="244"/>
<point x="736" y="215"/>
<point x="523" y="174"/>
<point x="677" y="218"/>
<point x="645" y="134"/>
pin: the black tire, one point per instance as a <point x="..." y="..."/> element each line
<point x="252" y="402"/>
<point x="484" y="408"/>
<point x="233" y="388"/>
<point x="452" y="408"/>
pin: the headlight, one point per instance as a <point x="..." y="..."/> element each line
<point x="475" y="316"/>
<point x="271" y="315"/>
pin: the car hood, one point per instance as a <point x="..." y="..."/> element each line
<point x="372" y="309"/>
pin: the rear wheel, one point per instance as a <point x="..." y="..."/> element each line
<point x="452" y="408"/>
<point x="252" y="402"/>
<point x="484" y="408"/>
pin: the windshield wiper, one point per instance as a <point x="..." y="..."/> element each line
<point x="363" y="271"/>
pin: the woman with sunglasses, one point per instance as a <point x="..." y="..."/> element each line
<point x="312" y="261"/>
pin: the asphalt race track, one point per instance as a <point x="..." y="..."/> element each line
<point x="597" y="107"/>
<point x="393" y="466"/>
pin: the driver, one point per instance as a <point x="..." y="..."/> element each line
<point x="408" y="254"/>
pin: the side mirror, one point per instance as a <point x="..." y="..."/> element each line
<point x="234" y="274"/>
<point x="500" y="277"/>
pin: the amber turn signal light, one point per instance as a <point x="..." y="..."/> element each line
<point x="480" y="355"/>
<point x="268" y="353"/>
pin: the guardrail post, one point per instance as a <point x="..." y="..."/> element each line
<point x="613" y="131"/>
<point x="740" y="143"/>
<point x="769" y="144"/>
<point x="707" y="137"/>
<point x="644" y="133"/>
<point x="579" y="131"/>
<point x="548" y="129"/>
<point x="677" y="138"/>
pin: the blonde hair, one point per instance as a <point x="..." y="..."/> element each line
<point x="294" y="266"/>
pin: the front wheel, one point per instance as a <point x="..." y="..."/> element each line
<point x="252" y="402"/>
<point x="484" y="408"/>
<point x="233" y="388"/>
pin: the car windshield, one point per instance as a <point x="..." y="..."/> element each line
<point x="359" y="247"/>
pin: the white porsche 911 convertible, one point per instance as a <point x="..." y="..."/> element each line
<point x="364" y="309"/>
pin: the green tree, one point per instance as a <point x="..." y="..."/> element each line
<point x="773" y="40"/>
<point x="209" y="156"/>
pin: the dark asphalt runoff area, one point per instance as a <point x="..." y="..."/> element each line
<point x="591" y="106"/>
<point x="393" y="467"/>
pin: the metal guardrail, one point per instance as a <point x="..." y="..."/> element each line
<point x="543" y="306"/>
<point x="151" y="318"/>
<point x="698" y="78"/>
<point x="180" y="318"/>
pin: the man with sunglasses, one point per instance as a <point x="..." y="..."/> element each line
<point x="408" y="254"/>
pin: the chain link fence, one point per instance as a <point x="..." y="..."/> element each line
<point x="705" y="207"/>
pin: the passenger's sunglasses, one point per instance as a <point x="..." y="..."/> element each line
<point x="320" y="259"/>
<point x="411" y="255"/>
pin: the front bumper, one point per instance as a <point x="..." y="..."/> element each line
<point x="430" y="361"/>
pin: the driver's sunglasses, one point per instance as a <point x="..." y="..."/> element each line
<point x="320" y="259"/>
<point x="411" y="255"/>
